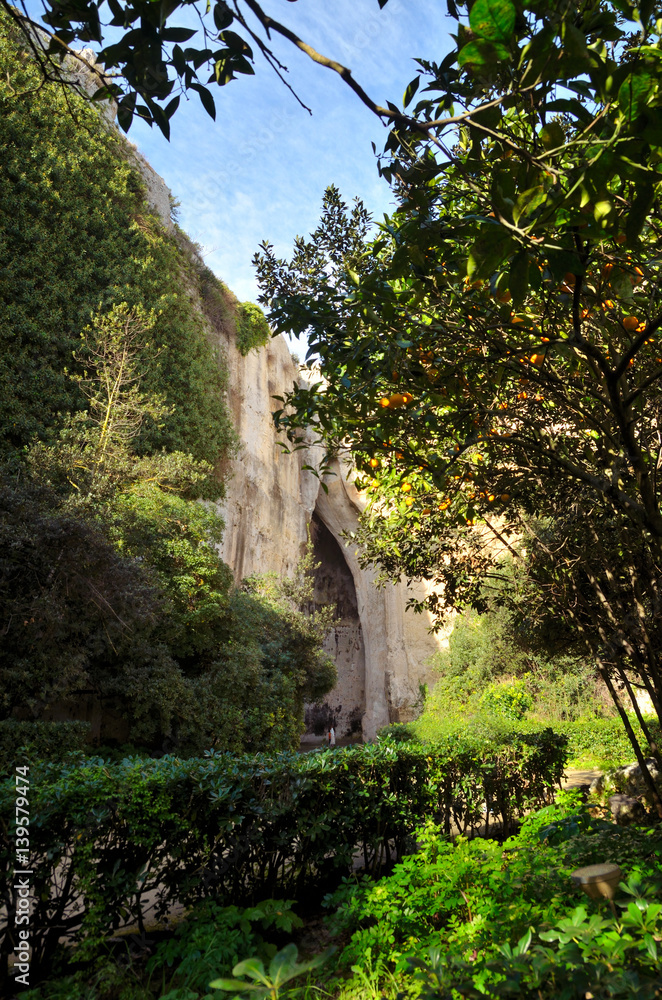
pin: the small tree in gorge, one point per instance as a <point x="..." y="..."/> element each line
<point x="492" y="356"/>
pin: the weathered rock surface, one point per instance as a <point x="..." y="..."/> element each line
<point x="271" y="502"/>
<point x="625" y="809"/>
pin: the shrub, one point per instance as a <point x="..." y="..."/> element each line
<point x="603" y="742"/>
<point x="69" y="178"/>
<point x="241" y="828"/>
<point x="458" y="909"/>
<point x="252" y="327"/>
<point x="509" y="698"/>
<point x="22" y="741"/>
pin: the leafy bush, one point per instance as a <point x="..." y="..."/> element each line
<point x="212" y="940"/>
<point x="398" y="732"/>
<point x="67" y="177"/>
<point x="603" y="742"/>
<point x="252" y="328"/>
<point x="136" y="609"/>
<point x="456" y="910"/>
<point x="488" y="649"/>
<point x="509" y="698"/>
<point x="22" y="742"/>
<point x="240" y="828"/>
<point x="583" y="954"/>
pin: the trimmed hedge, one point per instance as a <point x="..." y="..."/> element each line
<point x="244" y="828"/>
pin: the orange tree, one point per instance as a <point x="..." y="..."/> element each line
<point x="491" y="356"/>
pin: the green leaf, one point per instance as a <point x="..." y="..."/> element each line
<point x="206" y="99"/>
<point x="481" y="52"/>
<point x="223" y="16"/>
<point x="552" y="135"/>
<point x="251" y="967"/>
<point x="283" y="964"/>
<point x="490" y="249"/>
<point x="412" y="87"/>
<point x="528" y="202"/>
<point x="178" y="34"/>
<point x="571" y="106"/>
<point x="493" y="19"/>
<point x="231" y="985"/>
<point x="635" y="93"/>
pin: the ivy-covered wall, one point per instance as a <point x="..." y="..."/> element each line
<point x="76" y="236"/>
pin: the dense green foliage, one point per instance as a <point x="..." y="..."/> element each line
<point x="458" y="911"/>
<point x="21" y="742"/>
<point x="240" y="828"/>
<point x="208" y="943"/>
<point x="67" y="179"/>
<point x="489" y="651"/>
<point x="130" y="606"/>
<point x="493" y="672"/>
<point x="252" y="327"/>
<point x="470" y="918"/>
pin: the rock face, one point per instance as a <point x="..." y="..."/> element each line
<point x="273" y="502"/>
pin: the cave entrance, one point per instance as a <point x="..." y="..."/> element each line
<point x="344" y="706"/>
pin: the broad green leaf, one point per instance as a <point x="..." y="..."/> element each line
<point x="493" y="19"/>
<point x="231" y="985"/>
<point x="552" y="135"/>
<point x="571" y="106"/>
<point x="223" y="16"/>
<point x="574" y="41"/>
<point x="528" y="202"/>
<point x="491" y="248"/>
<point x="636" y="217"/>
<point x="283" y="964"/>
<point x="635" y="93"/>
<point x="412" y="87"/>
<point x="481" y="52"/>
<point x="252" y="967"/>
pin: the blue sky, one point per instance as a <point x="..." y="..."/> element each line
<point x="259" y="171"/>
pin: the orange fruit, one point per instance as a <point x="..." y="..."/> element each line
<point x="630" y="322"/>
<point x="374" y="463"/>
<point x="405" y="487"/>
<point x="385" y="401"/>
<point x="409" y="501"/>
<point x="505" y="496"/>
